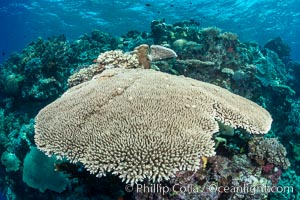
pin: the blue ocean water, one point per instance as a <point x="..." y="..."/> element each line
<point x="2" y="197"/>
<point x="23" y="21"/>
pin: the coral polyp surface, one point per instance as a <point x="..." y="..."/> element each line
<point x="141" y="123"/>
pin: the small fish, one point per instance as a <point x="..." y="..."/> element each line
<point x="3" y="53"/>
<point x="148" y="4"/>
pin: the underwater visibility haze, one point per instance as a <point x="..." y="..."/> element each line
<point x="105" y="99"/>
<point x="23" y="21"/>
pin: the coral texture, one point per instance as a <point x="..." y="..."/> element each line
<point x="142" y="52"/>
<point x="39" y="173"/>
<point x="138" y="58"/>
<point x="109" y="59"/>
<point x="10" y="161"/>
<point x="268" y="150"/>
<point x="141" y="123"/>
<point x="84" y="74"/>
<point x="159" y="52"/>
<point x="118" y="59"/>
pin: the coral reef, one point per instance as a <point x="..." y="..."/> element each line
<point x="139" y="58"/>
<point x="279" y="47"/>
<point x="220" y="58"/>
<point x="118" y="59"/>
<point x="234" y="178"/>
<point x="142" y="53"/>
<point x="37" y="163"/>
<point x="38" y="75"/>
<point x="289" y="182"/>
<point x="41" y="71"/>
<point x="85" y="74"/>
<point x="159" y="52"/>
<point x="146" y="136"/>
<point x="11" y="161"/>
<point x="268" y="151"/>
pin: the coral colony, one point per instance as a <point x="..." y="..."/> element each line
<point x="183" y="112"/>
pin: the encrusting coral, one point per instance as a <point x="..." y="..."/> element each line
<point x="142" y="124"/>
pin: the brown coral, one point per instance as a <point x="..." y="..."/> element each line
<point x="138" y="58"/>
<point x="141" y="123"/>
<point x="142" y="55"/>
<point x="268" y="150"/>
<point x="109" y="59"/>
<point x="85" y="74"/>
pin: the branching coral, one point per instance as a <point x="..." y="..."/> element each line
<point x="139" y="58"/>
<point x="268" y="150"/>
<point x="84" y="74"/>
<point x="141" y="123"/>
<point x="109" y="59"/>
<point x="118" y="59"/>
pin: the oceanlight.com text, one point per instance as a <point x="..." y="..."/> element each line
<point x="249" y="189"/>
